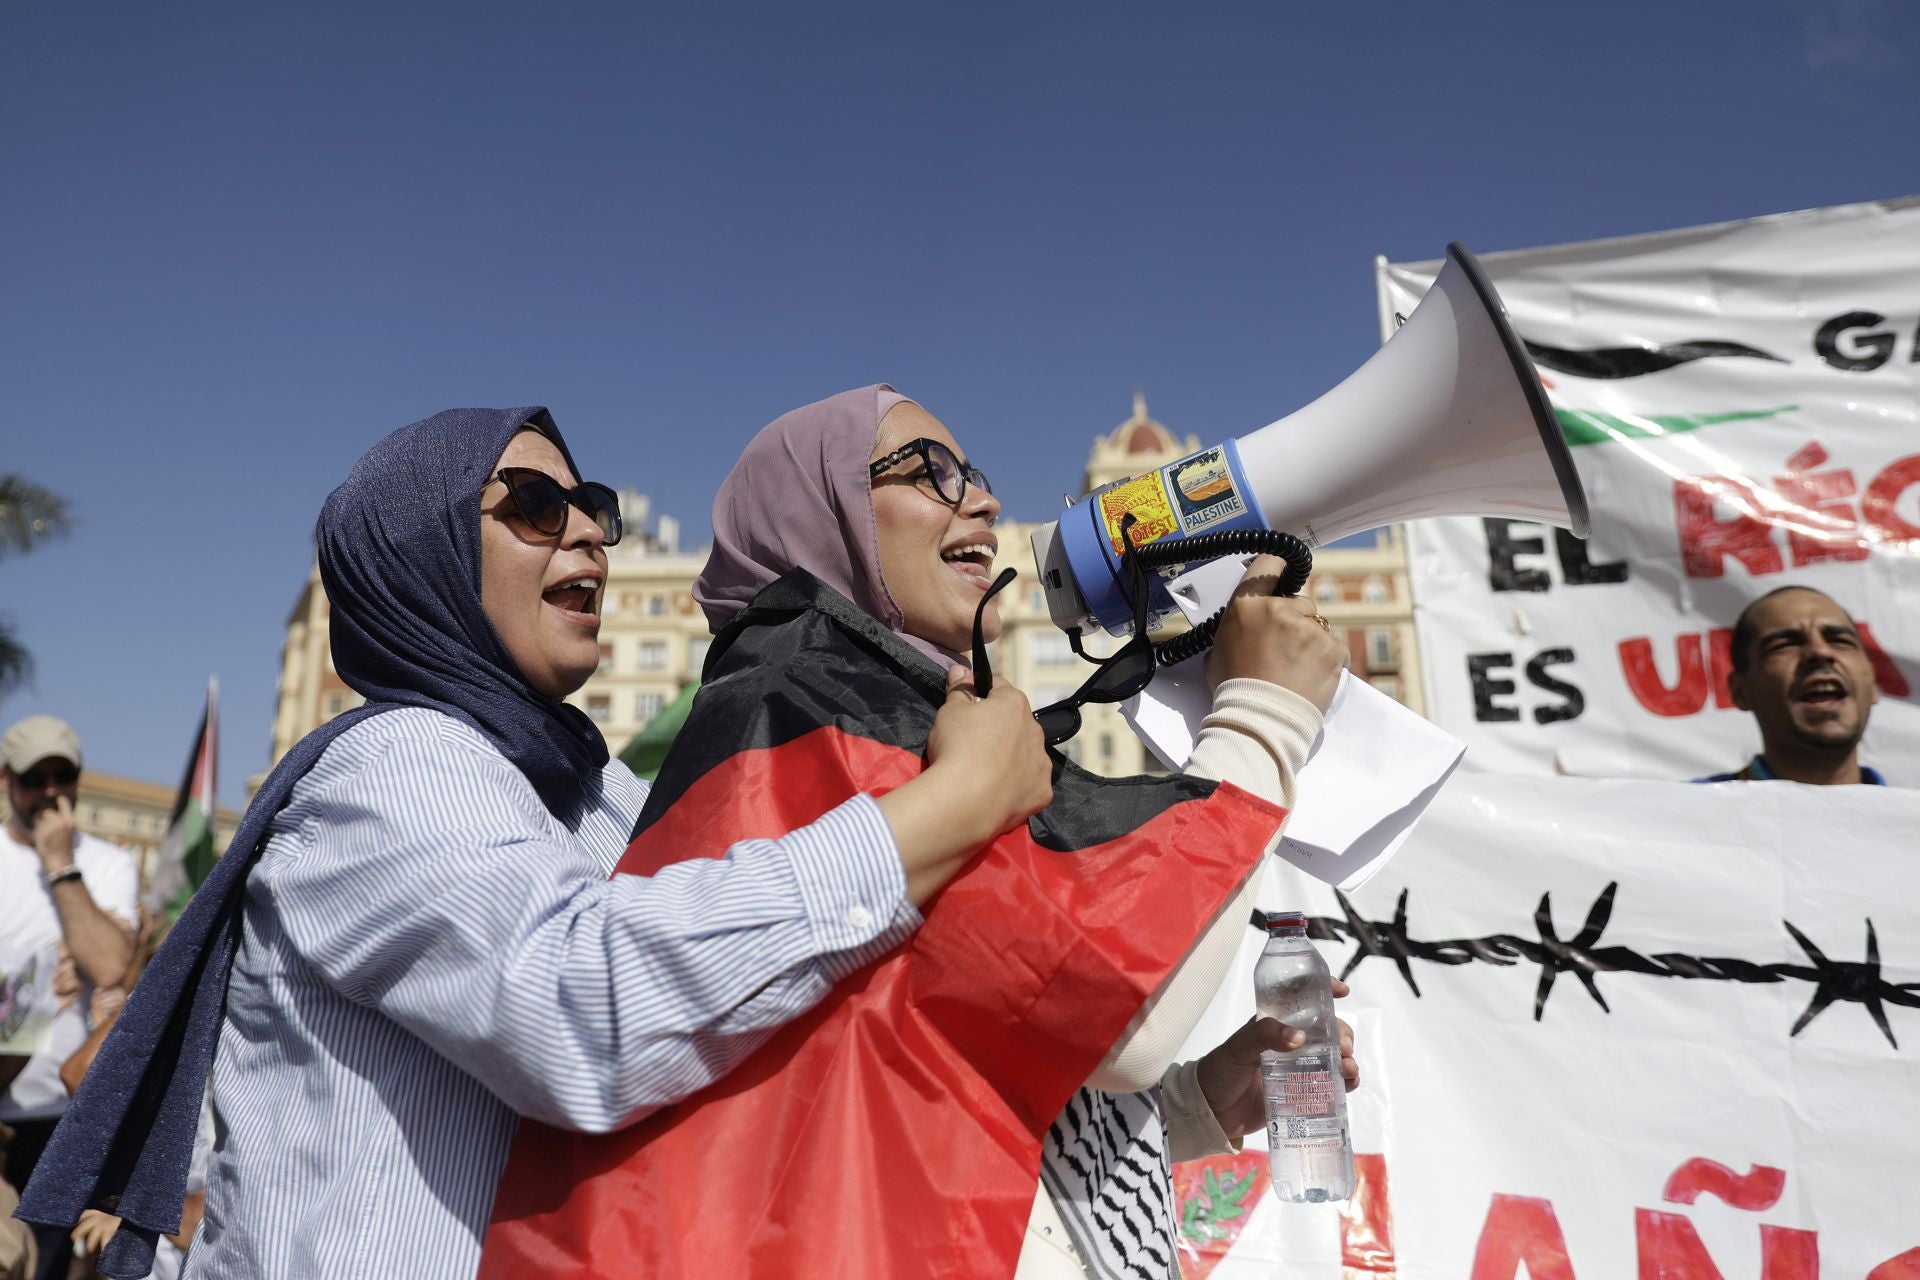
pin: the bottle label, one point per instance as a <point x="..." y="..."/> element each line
<point x="1302" y="1099"/>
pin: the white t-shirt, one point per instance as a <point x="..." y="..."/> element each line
<point x="30" y="922"/>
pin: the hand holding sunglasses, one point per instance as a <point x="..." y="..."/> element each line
<point x="1118" y="677"/>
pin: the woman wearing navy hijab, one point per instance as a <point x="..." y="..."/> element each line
<point x="428" y="946"/>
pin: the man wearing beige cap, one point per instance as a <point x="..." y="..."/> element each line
<point x="58" y="889"/>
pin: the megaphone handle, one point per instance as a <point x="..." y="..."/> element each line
<point x="1168" y="552"/>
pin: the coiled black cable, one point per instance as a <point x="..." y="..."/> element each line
<point x="1165" y="553"/>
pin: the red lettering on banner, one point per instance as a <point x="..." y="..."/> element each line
<point x="1703" y="672"/>
<point x="1815" y="508"/>
<point x="1759" y="1188"/>
<point x="1904" y="1267"/>
<point x="1706" y="539"/>
<point x="1688" y="693"/>
<point x="1366" y="1223"/>
<point x="1824" y="526"/>
<point x="1787" y="1253"/>
<point x="1670" y="1248"/>
<point x="1522" y="1229"/>
<point x="1877" y="506"/>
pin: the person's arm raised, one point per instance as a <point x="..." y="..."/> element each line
<point x="987" y="772"/>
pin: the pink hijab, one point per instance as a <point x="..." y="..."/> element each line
<point x="800" y="498"/>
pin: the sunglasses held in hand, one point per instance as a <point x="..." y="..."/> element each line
<point x="1119" y="677"/>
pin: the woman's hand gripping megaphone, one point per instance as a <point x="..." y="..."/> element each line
<point x="1282" y="640"/>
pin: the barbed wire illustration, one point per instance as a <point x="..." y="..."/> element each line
<point x="1834" y="981"/>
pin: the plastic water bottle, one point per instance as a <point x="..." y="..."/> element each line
<point x="1308" y="1144"/>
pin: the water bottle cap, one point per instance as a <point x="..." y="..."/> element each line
<point x="1278" y="920"/>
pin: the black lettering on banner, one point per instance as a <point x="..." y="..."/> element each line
<point x="1572" y="702"/>
<point x="1578" y="570"/>
<point x="1503" y="574"/>
<point x="1865" y="353"/>
<point x="1486" y="686"/>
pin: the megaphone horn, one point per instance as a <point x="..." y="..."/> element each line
<point x="1447" y="419"/>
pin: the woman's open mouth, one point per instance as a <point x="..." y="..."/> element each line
<point x="578" y="596"/>
<point x="972" y="560"/>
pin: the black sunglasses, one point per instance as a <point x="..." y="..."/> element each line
<point x="950" y="476"/>
<point x="543" y="504"/>
<point x="35" y="779"/>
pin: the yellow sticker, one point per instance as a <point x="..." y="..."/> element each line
<point x="1145" y="498"/>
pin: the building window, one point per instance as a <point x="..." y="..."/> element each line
<point x="600" y="706"/>
<point x="606" y="654"/>
<point x="697" y="653"/>
<point x="1326" y="591"/>
<point x="1380" y="648"/>
<point x="656" y="606"/>
<point x="1106" y="747"/>
<point x="647" y="705"/>
<point x="652" y="655"/>
<point x="1050" y="649"/>
<point x="1389" y="685"/>
<point x="1374" y="591"/>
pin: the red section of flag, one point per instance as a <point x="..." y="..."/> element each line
<point x="205" y="768"/>
<point x="895" y="1129"/>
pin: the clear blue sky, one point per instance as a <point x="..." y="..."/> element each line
<point x="243" y="241"/>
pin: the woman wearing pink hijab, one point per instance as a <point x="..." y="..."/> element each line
<point x="996" y="1096"/>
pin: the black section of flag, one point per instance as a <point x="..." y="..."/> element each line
<point x="802" y="657"/>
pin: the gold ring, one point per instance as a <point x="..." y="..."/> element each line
<point x="1324" y="624"/>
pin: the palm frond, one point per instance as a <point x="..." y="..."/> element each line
<point x="29" y="514"/>
<point x="16" y="664"/>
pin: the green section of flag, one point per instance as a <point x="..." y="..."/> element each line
<point x="649" y="746"/>
<point x="190" y="839"/>
<point x="1590" y="426"/>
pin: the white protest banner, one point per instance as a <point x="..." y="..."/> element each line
<point x="1741" y="404"/>
<point x="1610" y="1029"/>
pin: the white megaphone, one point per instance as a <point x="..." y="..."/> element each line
<point x="1447" y="419"/>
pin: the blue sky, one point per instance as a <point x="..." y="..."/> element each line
<point x="241" y="242"/>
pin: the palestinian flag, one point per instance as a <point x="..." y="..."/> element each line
<point x="186" y="855"/>
<point x="895" y="1129"/>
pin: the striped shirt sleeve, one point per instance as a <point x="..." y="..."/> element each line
<point x="430" y="884"/>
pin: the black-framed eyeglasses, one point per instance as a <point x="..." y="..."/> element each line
<point x="543" y="504"/>
<point x="1120" y="676"/>
<point x="950" y="476"/>
<point x="36" y="779"/>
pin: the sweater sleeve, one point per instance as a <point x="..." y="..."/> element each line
<point x="1257" y="737"/>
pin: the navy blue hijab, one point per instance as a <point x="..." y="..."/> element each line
<point x="399" y="547"/>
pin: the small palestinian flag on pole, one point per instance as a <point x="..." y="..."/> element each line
<point x="186" y="855"/>
<point x="895" y="1128"/>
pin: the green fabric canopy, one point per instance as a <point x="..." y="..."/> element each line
<point x="649" y="746"/>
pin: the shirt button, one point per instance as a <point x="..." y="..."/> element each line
<point x="859" y="917"/>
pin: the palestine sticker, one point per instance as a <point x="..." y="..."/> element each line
<point x="1203" y="487"/>
<point x="1146" y="499"/>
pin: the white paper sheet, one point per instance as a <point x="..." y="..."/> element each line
<point x="1371" y="773"/>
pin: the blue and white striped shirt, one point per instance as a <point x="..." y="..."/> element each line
<point x="428" y="954"/>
